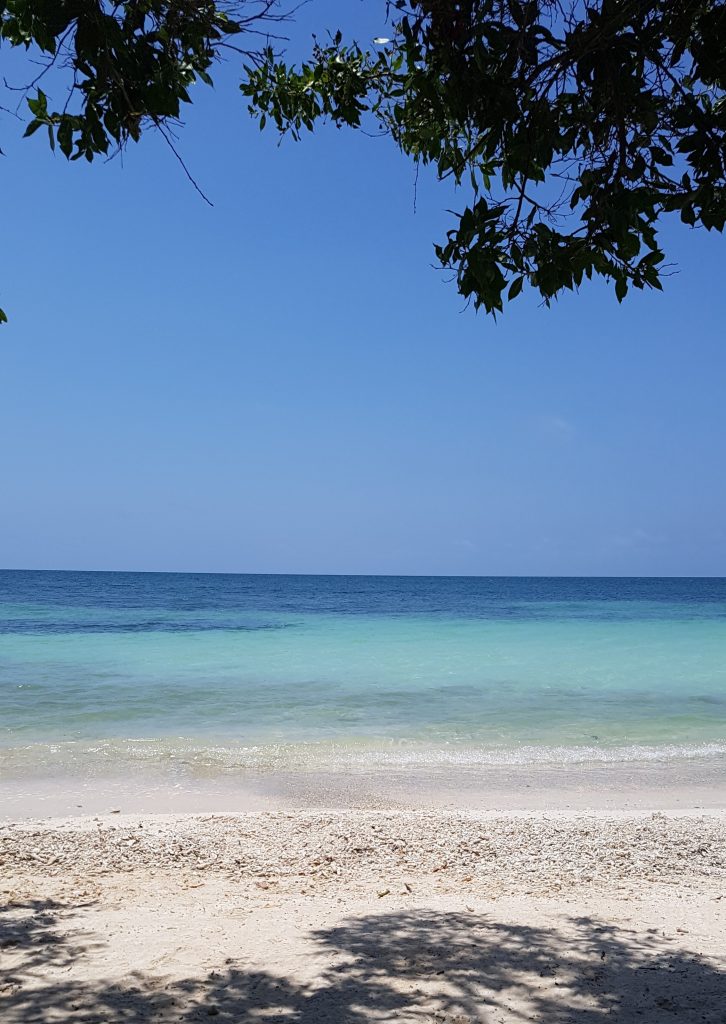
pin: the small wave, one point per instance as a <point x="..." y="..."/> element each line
<point x="184" y="756"/>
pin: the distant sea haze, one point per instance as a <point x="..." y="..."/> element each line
<point x="236" y="672"/>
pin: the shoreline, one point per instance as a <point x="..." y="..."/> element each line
<point x="698" y="784"/>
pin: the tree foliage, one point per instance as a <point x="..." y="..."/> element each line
<point x="118" y="67"/>
<point x="572" y="127"/>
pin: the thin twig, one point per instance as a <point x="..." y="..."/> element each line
<point x="177" y="154"/>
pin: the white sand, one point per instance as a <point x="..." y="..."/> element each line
<point x="360" y="916"/>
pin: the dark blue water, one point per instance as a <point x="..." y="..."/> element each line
<point x="520" y="598"/>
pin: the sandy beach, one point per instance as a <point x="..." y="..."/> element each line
<point x="358" y="915"/>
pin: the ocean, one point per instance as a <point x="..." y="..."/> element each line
<point x="200" y="675"/>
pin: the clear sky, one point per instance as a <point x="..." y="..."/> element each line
<point x="283" y="383"/>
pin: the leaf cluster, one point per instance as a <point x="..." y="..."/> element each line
<point x="574" y="125"/>
<point x="119" y="66"/>
<point x="130" y="63"/>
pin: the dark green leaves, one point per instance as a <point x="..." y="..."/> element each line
<point x="574" y="127"/>
<point x="569" y="130"/>
<point x="109" y="70"/>
<point x="132" y="63"/>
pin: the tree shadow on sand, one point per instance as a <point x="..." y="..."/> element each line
<point x="415" y="966"/>
<point x="40" y="934"/>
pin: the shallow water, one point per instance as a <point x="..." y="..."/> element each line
<point x="212" y="673"/>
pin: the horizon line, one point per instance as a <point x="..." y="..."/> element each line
<point x="380" y="575"/>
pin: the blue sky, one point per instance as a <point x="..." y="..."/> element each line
<point x="283" y="383"/>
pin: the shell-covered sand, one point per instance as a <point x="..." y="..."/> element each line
<point x="359" y="848"/>
<point x="362" y="916"/>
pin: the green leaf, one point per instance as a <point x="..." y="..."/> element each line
<point x="38" y="104"/>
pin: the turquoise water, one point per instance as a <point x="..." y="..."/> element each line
<point x="103" y="669"/>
